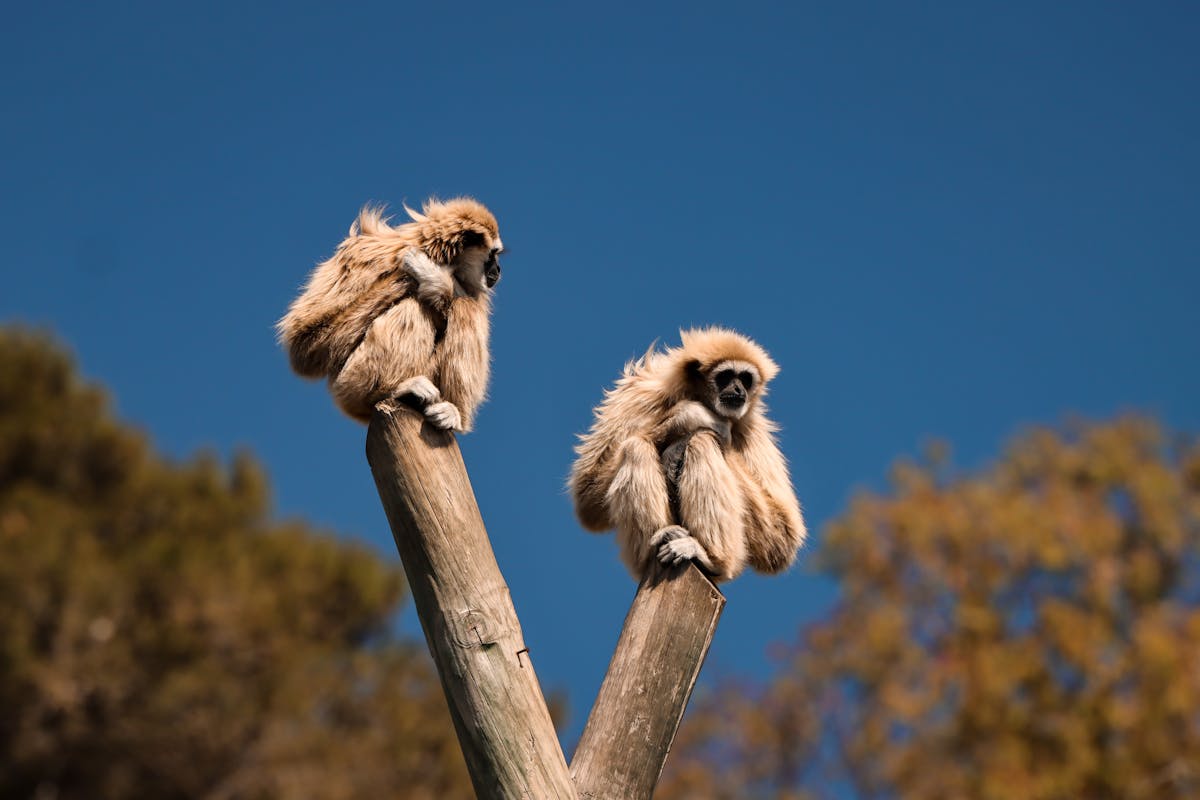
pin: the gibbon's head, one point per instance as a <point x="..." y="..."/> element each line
<point x="725" y="370"/>
<point x="462" y="235"/>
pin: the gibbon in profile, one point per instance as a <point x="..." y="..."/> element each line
<point x="402" y="312"/>
<point x="681" y="460"/>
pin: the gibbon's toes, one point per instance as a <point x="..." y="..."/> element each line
<point x="444" y="415"/>
<point x="676" y="551"/>
<point x="667" y="534"/>
<point x="420" y="388"/>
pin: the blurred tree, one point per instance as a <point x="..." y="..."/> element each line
<point x="162" y="637"/>
<point x="1031" y="631"/>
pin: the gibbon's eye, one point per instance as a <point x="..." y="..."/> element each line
<point x="723" y="378"/>
<point x="747" y="379"/>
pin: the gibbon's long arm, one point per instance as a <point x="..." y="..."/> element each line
<point x="637" y="501"/>
<point x="462" y="356"/>
<point x="711" y="505"/>
<point x="397" y="348"/>
<point x="774" y="523"/>
<point x="596" y="465"/>
<point x="345" y="293"/>
<point x="325" y="324"/>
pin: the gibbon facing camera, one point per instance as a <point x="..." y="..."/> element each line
<point x="402" y="313"/>
<point x="681" y="460"/>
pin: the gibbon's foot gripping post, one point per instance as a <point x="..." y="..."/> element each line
<point x="503" y="725"/>
<point x="649" y="681"/>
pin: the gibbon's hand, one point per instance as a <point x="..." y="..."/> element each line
<point x="435" y="286"/>
<point x="444" y="415"/>
<point x="667" y="534"/>
<point x="420" y="389"/>
<point x="675" y="546"/>
<point x="690" y="416"/>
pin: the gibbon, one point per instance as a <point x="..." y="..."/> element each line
<point x="681" y="460"/>
<point x="402" y="312"/>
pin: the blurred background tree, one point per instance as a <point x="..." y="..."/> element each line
<point x="161" y="636"/>
<point x="1028" y="631"/>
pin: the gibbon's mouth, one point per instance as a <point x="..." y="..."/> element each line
<point x="733" y="403"/>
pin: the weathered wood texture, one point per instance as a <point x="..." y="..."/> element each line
<point x="503" y="725"/>
<point x="650" y="678"/>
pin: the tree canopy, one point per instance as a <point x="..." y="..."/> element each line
<point x="163" y="636"/>
<point x="1028" y="630"/>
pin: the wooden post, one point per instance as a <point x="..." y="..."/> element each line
<point x="503" y="726"/>
<point x="650" y="678"/>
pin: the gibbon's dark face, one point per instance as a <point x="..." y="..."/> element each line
<point x="491" y="268"/>
<point x="478" y="263"/>
<point x="734" y="386"/>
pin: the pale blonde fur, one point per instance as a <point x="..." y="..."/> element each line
<point x="394" y="304"/>
<point x="735" y="498"/>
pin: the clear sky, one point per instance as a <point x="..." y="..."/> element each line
<point x="943" y="220"/>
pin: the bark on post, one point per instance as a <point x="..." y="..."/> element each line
<point x="503" y="726"/>
<point x="650" y="678"/>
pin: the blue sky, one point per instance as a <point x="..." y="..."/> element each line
<point x="943" y="220"/>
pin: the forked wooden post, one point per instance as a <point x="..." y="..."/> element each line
<point x="503" y="726"/>
<point x="650" y="678"/>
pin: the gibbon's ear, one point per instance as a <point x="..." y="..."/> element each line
<point x="471" y="239"/>
<point x="693" y="369"/>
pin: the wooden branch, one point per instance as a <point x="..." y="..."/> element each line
<point x="650" y="678"/>
<point x="503" y="726"/>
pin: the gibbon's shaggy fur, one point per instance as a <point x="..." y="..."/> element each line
<point x="402" y="312"/>
<point x="682" y="461"/>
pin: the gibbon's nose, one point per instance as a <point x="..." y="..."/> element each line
<point x="492" y="276"/>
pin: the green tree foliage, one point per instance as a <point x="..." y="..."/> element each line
<point x="161" y="636"/>
<point x="1029" y="631"/>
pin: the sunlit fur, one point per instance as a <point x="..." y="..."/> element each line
<point x="735" y="498"/>
<point x="396" y="303"/>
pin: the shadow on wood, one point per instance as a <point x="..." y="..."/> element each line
<point x="666" y="636"/>
<point x="505" y="731"/>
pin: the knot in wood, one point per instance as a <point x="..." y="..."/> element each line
<point x="474" y="628"/>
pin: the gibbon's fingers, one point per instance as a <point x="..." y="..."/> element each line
<point x="421" y="389"/>
<point x="685" y="548"/>
<point x="667" y="534"/>
<point x="444" y="415"/>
